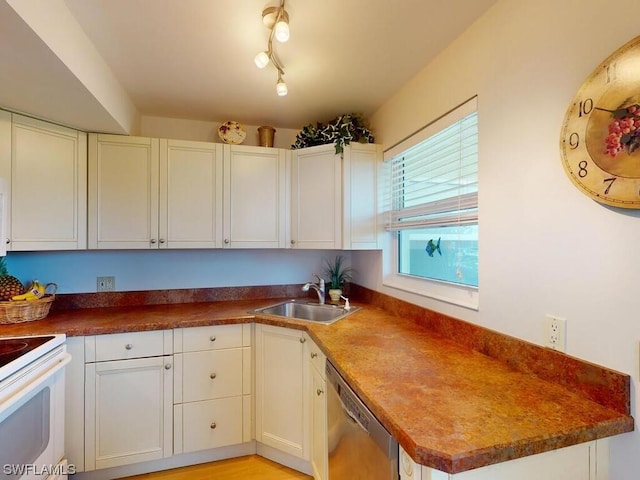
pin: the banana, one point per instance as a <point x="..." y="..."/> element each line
<point x="34" y="292"/>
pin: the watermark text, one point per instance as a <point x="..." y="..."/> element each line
<point x="21" y="469"/>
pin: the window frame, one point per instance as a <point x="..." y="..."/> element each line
<point x="458" y="294"/>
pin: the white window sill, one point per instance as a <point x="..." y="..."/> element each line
<point x="461" y="295"/>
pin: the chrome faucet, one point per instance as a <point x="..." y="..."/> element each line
<point x="319" y="288"/>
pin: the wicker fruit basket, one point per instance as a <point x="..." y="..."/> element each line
<point x="28" y="310"/>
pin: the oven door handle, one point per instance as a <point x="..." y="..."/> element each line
<point x="61" y="362"/>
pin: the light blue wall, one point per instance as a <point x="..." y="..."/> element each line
<point x="76" y="272"/>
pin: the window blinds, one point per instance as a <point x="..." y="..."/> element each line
<point x="434" y="182"/>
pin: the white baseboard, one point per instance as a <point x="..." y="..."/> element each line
<point x="285" y="459"/>
<point x="175" y="461"/>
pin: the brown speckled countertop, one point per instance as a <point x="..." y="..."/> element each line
<point x="456" y="396"/>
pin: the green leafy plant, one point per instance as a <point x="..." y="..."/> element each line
<point x="340" y="131"/>
<point x="336" y="274"/>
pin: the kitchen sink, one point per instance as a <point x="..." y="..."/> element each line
<point x="311" y="312"/>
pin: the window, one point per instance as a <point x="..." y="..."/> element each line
<point x="433" y="206"/>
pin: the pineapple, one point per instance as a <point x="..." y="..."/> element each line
<point x="9" y="285"/>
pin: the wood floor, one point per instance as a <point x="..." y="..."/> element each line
<point x="241" y="468"/>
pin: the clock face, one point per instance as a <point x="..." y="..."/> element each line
<point x="600" y="140"/>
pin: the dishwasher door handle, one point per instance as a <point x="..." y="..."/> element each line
<point x="352" y="417"/>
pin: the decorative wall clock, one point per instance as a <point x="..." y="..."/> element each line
<point x="600" y="140"/>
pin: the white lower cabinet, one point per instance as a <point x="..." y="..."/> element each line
<point x="282" y="400"/>
<point x="585" y="461"/>
<point x="318" y="394"/>
<point x="212" y="389"/>
<point x="128" y="399"/>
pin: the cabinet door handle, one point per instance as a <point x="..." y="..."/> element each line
<point x="212" y="376"/>
<point x="167" y="366"/>
<point x="319" y="392"/>
<point x="293" y="242"/>
<point x="128" y="346"/>
<point x="226" y="241"/>
<point x="213" y="425"/>
<point x="153" y="241"/>
<point x="162" y="240"/>
<point x="7" y="241"/>
<point x="212" y="338"/>
<point x="302" y="340"/>
<point x="314" y="354"/>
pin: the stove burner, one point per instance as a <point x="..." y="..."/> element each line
<point x="12" y="348"/>
<point x="8" y="347"/>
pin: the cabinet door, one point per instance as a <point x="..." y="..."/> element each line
<point x="319" y="448"/>
<point x="282" y="400"/>
<point x="74" y="403"/>
<point x="316" y="198"/>
<point x="128" y="411"/>
<point x="190" y="194"/>
<point x="47" y="185"/>
<point x="255" y="202"/>
<point x="360" y="221"/>
<point x="123" y="192"/>
<point x="5" y="175"/>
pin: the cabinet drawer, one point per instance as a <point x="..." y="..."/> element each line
<point x="209" y="338"/>
<point x="208" y="375"/>
<point x="123" y="346"/>
<point x="208" y="424"/>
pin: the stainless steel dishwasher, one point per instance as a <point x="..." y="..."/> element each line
<point x="359" y="447"/>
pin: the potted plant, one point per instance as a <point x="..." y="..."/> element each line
<point x="340" y="131"/>
<point x="336" y="274"/>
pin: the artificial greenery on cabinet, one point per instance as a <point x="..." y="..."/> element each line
<point x="340" y="131"/>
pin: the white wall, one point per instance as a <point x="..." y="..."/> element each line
<point x="544" y="246"/>
<point x="203" y="131"/>
<point x="136" y="270"/>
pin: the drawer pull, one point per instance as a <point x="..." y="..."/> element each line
<point x="128" y="346"/>
<point x="212" y="338"/>
<point x="319" y="392"/>
<point x="213" y="425"/>
<point x="212" y="376"/>
<point x="167" y="366"/>
<point x="314" y="354"/>
<point x="302" y="340"/>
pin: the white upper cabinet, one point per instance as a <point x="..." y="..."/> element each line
<point x="123" y="192"/>
<point x="190" y="194"/>
<point x="334" y="199"/>
<point x="255" y="197"/>
<point x="147" y="193"/>
<point x="45" y="170"/>
<point x="316" y="198"/>
<point x="360" y="227"/>
<point x="150" y="193"/>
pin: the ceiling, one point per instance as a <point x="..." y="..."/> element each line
<point x="193" y="59"/>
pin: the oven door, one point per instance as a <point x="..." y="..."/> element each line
<point x="32" y="418"/>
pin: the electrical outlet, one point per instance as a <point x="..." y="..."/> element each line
<point x="556" y="332"/>
<point x="106" y="284"/>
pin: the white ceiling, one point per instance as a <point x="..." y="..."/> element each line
<point x="194" y="58"/>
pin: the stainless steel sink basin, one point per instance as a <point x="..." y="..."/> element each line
<point x="311" y="312"/>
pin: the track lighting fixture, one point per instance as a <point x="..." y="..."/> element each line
<point x="276" y="19"/>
